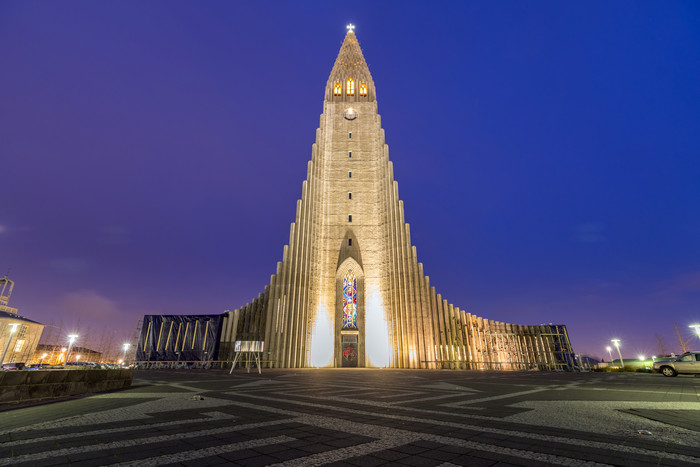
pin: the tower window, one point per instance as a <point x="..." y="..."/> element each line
<point x="351" y="87"/>
<point x="350" y="135"/>
<point x="363" y="90"/>
<point x="349" y="241"/>
<point x="337" y="90"/>
<point x="349" y="174"/>
<point x="349" y="195"/>
<point x="350" y="218"/>
<point x="350" y="154"/>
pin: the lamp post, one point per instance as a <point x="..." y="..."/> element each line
<point x="125" y="346"/>
<point x="13" y="328"/>
<point x="696" y="327"/>
<point x="616" y="343"/>
<point x="71" y="341"/>
<point x="609" y="349"/>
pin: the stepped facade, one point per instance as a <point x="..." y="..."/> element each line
<point x="349" y="291"/>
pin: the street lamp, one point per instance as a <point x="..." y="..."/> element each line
<point x="13" y="328"/>
<point x="609" y="349"/>
<point x="616" y="343"/>
<point x="125" y="346"/>
<point x="697" y="329"/>
<point x="71" y="340"/>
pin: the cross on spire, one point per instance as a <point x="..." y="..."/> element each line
<point x="351" y="28"/>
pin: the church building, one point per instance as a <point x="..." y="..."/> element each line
<point x="349" y="291"/>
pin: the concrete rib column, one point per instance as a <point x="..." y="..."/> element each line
<point x="270" y="316"/>
<point x="284" y="291"/>
<point x="295" y="290"/>
<point x="426" y="319"/>
<point x="464" y="346"/>
<point x="440" y="324"/>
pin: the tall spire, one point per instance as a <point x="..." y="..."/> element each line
<point x="350" y="79"/>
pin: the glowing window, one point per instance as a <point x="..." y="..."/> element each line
<point x="337" y="90"/>
<point x="363" y="89"/>
<point x="349" y="301"/>
<point x="351" y="87"/>
<point x="18" y="345"/>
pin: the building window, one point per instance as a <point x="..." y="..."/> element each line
<point x="337" y="90"/>
<point x="363" y="90"/>
<point x="349" y="153"/>
<point x="22" y="331"/>
<point x="351" y="87"/>
<point x="349" y="241"/>
<point x="350" y="218"/>
<point x="350" y="301"/>
<point x="350" y="135"/>
<point x="18" y="345"/>
<point x="349" y="195"/>
<point x="349" y="174"/>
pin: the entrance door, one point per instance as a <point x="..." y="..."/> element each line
<point x="349" y="349"/>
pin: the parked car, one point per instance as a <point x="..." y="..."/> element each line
<point x="685" y="364"/>
<point x="13" y="366"/>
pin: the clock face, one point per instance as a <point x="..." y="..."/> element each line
<point x="350" y="114"/>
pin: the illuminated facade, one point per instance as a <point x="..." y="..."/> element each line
<point x="19" y="336"/>
<point x="349" y="290"/>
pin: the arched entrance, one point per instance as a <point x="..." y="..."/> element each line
<point x="350" y="322"/>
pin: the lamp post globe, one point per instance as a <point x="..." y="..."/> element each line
<point x="609" y="349"/>
<point x="71" y="341"/>
<point x="616" y="343"/>
<point x="125" y="346"/>
<point x="696" y="327"/>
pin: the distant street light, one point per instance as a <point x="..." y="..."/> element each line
<point x="42" y="358"/>
<point x="616" y="343"/>
<point x="697" y="329"/>
<point x="642" y="357"/>
<point x="13" y="328"/>
<point x="71" y="340"/>
<point x="125" y="346"/>
<point x="609" y="349"/>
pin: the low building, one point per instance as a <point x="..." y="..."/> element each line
<point x="19" y="336"/>
<point x="173" y="338"/>
<point x="55" y="354"/>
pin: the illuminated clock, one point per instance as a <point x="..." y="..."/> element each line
<point x="350" y="114"/>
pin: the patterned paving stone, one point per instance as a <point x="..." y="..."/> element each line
<point x="364" y="417"/>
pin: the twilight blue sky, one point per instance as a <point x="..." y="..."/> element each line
<point x="547" y="154"/>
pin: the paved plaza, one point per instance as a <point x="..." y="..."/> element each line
<point x="366" y="418"/>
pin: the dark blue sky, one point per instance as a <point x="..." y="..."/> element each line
<point x="547" y="153"/>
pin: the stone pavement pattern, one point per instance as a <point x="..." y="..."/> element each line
<point x="365" y="417"/>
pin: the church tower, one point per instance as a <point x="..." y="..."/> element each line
<point x="349" y="291"/>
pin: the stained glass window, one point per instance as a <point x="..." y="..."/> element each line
<point x="350" y="87"/>
<point x="336" y="89"/>
<point x="350" y="301"/>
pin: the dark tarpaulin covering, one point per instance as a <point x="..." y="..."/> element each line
<point x="562" y="346"/>
<point x="179" y="338"/>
